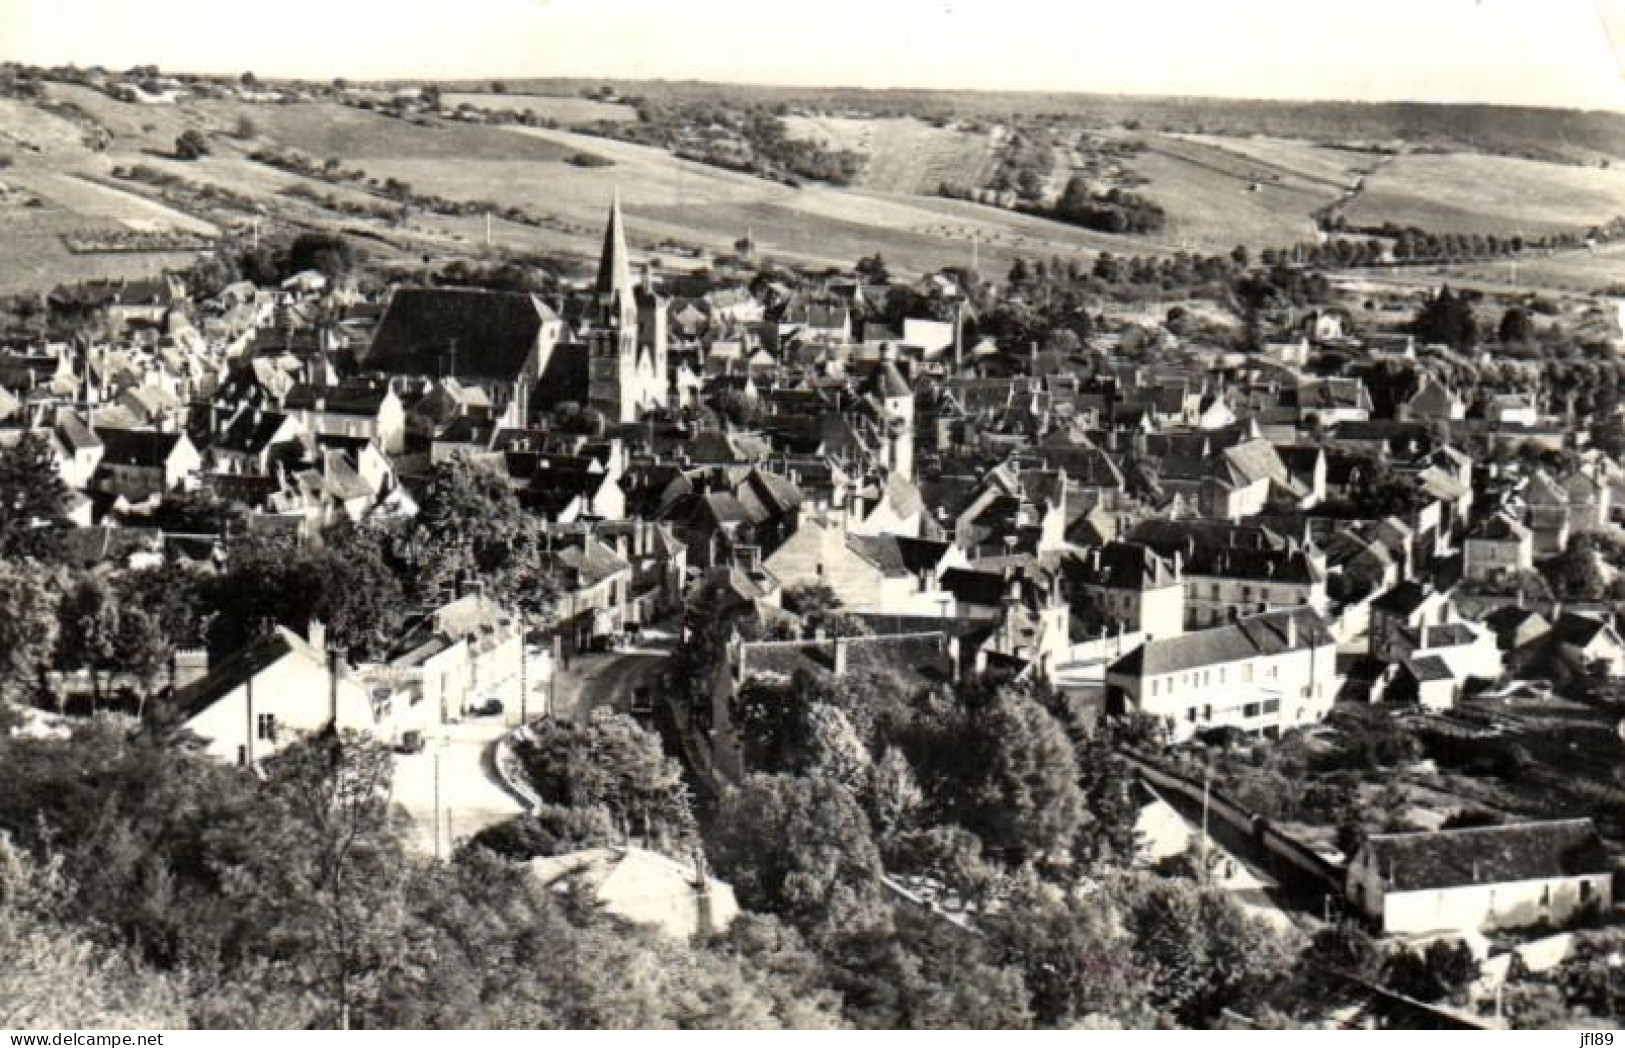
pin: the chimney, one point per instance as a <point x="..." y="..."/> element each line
<point x="316" y="634"/>
<point x="1179" y="565"/>
<point x="953" y="656"/>
<point x="1292" y="629"/>
<point x="333" y="689"/>
<point x="840" y="656"/>
<point x="190" y="664"/>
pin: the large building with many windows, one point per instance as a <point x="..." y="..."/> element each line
<point x="1263" y="675"/>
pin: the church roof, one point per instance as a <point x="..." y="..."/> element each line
<point x="494" y="333"/>
<point x="614" y="265"/>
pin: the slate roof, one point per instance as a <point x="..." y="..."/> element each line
<point x="1499" y="528"/>
<point x="1429" y="668"/>
<point x="1403" y="599"/>
<point x="895" y="555"/>
<point x="495" y="332"/>
<point x="351" y="398"/>
<point x="243" y="665"/>
<point x="137" y="447"/>
<point x="250" y="431"/>
<point x="1265" y="634"/>
<point x="1578" y="630"/>
<point x="1527" y="851"/>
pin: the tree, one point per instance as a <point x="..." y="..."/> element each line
<point x="141" y="651"/>
<point x="1203" y="951"/>
<point x="331" y="254"/>
<point x="1442" y="970"/>
<point x="893" y="798"/>
<point x="798" y="848"/>
<point x="191" y="145"/>
<point x="1021" y="794"/>
<point x="28" y="627"/>
<point x="1447" y="317"/>
<point x="326" y="879"/>
<point x="873" y="269"/>
<point x="362" y="601"/>
<point x="89" y="632"/>
<point x="32" y="495"/>
<point x="471" y="527"/>
<point x="1076" y="960"/>
<point x="612" y="763"/>
<point x="55" y="976"/>
<point x="1516" y="325"/>
<point x="246" y="128"/>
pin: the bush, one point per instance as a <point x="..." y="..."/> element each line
<point x="191" y="145"/>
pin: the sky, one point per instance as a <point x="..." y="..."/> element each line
<point x="1568" y="53"/>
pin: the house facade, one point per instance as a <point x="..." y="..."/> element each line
<point x="1481" y="878"/>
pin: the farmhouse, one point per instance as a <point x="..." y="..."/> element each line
<point x="1481" y="878"/>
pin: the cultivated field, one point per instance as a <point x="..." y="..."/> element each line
<point x="1468" y="193"/>
<point x="1218" y="190"/>
<point x="905" y="155"/>
<point x="564" y="109"/>
<point x="322" y="130"/>
<point x="1338" y="168"/>
<point x="1216" y="198"/>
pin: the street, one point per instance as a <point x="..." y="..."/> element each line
<point x="610" y="678"/>
<point x="470" y="796"/>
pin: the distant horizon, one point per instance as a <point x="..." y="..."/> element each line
<point x="1147" y="96"/>
<point x="1561" y="55"/>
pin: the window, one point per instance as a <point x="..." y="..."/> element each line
<point x="1264" y="594"/>
<point x="1250" y="710"/>
<point x="1585" y="891"/>
<point x="1272" y="705"/>
<point x="1155" y="684"/>
<point x="1246" y="593"/>
<point x="1215" y="591"/>
<point x="266" y="727"/>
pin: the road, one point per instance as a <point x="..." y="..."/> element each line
<point x="470" y="795"/>
<point x="610" y="678"/>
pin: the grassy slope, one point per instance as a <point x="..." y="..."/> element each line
<point x="1203" y="182"/>
<point x="1517" y="130"/>
<point x="552" y="107"/>
<point x="1459" y="192"/>
<point x="905" y="156"/>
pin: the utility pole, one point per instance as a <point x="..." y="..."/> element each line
<point x="437" y="798"/>
<point x="1206" y="782"/>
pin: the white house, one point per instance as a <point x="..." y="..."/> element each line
<point x="1482" y="877"/>
<point x="1263" y="674"/>
<point x="267" y="695"/>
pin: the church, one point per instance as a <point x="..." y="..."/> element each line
<point x="524" y="354"/>
<point x="624" y="333"/>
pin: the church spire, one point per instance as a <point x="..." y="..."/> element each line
<point x="614" y="266"/>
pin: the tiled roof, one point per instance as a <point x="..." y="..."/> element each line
<point x="1266" y="634"/>
<point x="495" y="332"/>
<point x="1527" y="851"/>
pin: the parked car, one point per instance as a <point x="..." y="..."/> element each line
<point x="488" y="708"/>
<point x="410" y="742"/>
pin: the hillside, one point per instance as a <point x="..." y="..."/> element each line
<point x="1554" y="134"/>
<point x="547" y="187"/>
